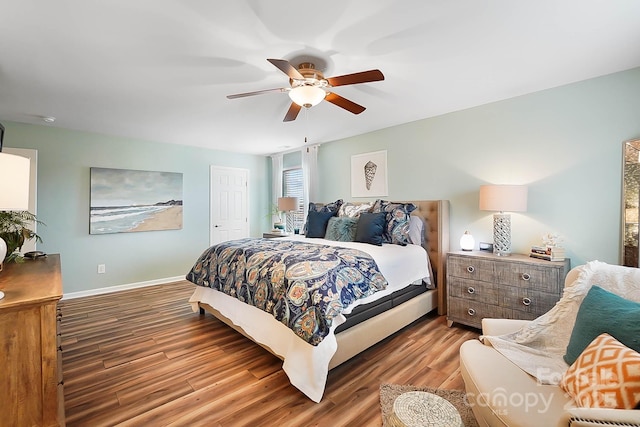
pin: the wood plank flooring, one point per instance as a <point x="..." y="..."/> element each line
<point x="144" y="358"/>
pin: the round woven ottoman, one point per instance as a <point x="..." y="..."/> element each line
<point x="422" y="409"/>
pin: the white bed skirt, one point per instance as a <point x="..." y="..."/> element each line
<point x="307" y="366"/>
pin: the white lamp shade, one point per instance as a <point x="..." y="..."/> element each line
<point x="286" y="204"/>
<point x="467" y="242"/>
<point x="307" y="96"/>
<point x="503" y="198"/>
<point x="14" y="182"/>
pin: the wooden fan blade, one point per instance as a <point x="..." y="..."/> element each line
<point x="287" y="68"/>
<point x="355" y="78"/>
<point x="292" y="113"/>
<point x="257" y="92"/>
<point x="341" y="102"/>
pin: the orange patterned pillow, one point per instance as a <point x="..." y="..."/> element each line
<point x="605" y="375"/>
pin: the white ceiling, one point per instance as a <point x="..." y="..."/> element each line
<point x="160" y="70"/>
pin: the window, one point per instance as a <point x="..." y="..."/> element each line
<point x="293" y="186"/>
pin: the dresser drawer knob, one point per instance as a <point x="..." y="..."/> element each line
<point x="471" y="269"/>
<point x="471" y="290"/>
<point x="471" y="312"/>
<point x="526" y="276"/>
<point x="526" y="301"/>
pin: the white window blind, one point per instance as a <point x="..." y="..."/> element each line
<point x="293" y="186"/>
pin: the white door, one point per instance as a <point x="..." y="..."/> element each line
<point x="229" y="204"/>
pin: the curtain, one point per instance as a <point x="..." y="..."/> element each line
<point x="276" y="190"/>
<point x="310" y="175"/>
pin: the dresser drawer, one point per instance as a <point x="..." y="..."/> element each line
<point x="544" y="279"/>
<point x="471" y="312"/>
<point x="470" y="268"/>
<point x="473" y="290"/>
<point x="524" y="300"/>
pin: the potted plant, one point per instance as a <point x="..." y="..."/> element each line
<point x="273" y="212"/>
<point x="14" y="230"/>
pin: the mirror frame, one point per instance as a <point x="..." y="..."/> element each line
<point x="630" y="258"/>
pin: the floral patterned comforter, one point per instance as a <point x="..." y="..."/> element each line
<point x="304" y="285"/>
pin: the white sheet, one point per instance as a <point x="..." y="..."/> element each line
<point x="305" y="365"/>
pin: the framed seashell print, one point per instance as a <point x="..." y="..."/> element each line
<point x="369" y="174"/>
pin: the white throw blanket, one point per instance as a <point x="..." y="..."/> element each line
<point x="538" y="347"/>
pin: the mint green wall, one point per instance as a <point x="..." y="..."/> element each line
<point x="564" y="143"/>
<point x="64" y="159"/>
<point x="292" y="160"/>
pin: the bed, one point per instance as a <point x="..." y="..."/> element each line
<point x="307" y="362"/>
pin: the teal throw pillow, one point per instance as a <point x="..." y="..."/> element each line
<point x="602" y="311"/>
<point x="341" y="229"/>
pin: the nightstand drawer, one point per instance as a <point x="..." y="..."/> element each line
<point x="471" y="312"/>
<point x="472" y="290"/>
<point x="527" y="300"/>
<point x="470" y="268"/>
<point x="525" y="275"/>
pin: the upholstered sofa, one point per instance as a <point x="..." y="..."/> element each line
<point x="502" y="394"/>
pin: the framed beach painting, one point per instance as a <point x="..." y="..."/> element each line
<point x="369" y="174"/>
<point x="124" y="201"/>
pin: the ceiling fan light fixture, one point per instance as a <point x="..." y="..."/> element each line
<point x="307" y="96"/>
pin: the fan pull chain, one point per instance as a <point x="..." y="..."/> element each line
<point x="306" y="124"/>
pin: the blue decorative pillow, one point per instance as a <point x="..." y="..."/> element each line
<point x="370" y="228"/>
<point x="341" y="229"/>
<point x="602" y="311"/>
<point x="319" y="207"/>
<point x="396" y="228"/>
<point x="317" y="223"/>
<point x="333" y="206"/>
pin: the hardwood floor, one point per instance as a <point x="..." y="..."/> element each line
<point x="144" y="358"/>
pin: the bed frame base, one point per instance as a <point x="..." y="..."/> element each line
<point x="358" y="338"/>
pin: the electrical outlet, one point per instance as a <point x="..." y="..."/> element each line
<point x="102" y="269"/>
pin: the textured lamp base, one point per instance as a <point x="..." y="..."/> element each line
<point x="502" y="234"/>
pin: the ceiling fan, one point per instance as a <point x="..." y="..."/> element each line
<point x="308" y="87"/>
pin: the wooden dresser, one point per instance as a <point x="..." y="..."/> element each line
<point x="481" y="284"/>
<point x="30" y="355"/>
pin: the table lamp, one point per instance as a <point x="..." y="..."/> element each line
<point x="501" y="199"/>
<point x="14" y="190"/>
<point x="286" y="205"/>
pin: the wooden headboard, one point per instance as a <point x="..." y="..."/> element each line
<point x="435" y="215"/>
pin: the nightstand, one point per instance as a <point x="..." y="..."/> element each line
<point x="481" y="284"/>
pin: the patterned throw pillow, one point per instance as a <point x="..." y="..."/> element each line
<point x="320" y="207"/>
<point x="606" y="375"/>
<point x="396" y="225"/>
<point x="341" y="229"/>
<point x="353" y="211"/>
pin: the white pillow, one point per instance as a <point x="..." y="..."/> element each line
<point x="416" y="230"/>
<point x="353" y="211"/>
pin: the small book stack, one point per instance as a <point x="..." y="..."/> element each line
<point x="549" y="253"/>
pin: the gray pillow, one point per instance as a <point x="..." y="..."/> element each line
<point x="341" y="229"/>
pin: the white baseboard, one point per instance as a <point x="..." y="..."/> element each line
<point x="125" y="287"/>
